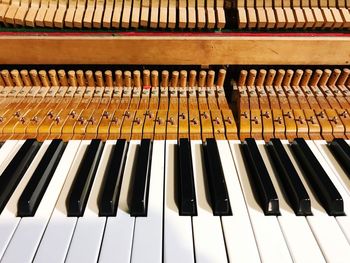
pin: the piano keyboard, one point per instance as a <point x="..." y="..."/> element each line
<point x="178" y="14"/>
<point x="154" y="201"/>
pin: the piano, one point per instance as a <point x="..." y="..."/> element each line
<point x="174" y="131"/>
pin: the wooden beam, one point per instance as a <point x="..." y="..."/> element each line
<point x="179" y="50"/>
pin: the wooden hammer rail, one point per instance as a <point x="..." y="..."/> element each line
<point x="288" y="104"/>
<point x="111" y="113"/>
<point x="297" y="14"/>
<point x="200" y="14"/>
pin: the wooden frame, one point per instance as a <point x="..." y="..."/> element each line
<point x="175" y="50"/>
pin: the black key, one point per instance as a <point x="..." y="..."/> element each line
<point x="14" y="172"/>
<point x="219" y="198"/>
<point x="186" y="193"/>
<point x="292" y="185"/>
<point x="341" y="151"/>
<point x="260" y="178"/>
<point x="319" y="181"/>
<point x="110" y="191"/>
<point x="79" y="192"/>
<point x="139" y="194"/>
<point x="36" y="187"/>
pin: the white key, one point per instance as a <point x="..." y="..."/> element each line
<point x="30" y="229"/>
<point x="8" y="219"/>
<point x="343" y="221"/>
<point x="57" y="237"/>
<point x="296" y="230"/>
<point x="6" y="149"/>
<point x="328" y="234"/>
<point x="148" y="233"/>
<point x="207" y="231"/>
<point x="271" y="244"/>
<point x="334" y="165"/>
<point x="178" y="239"/>
<point x="239" y="236"/>
<point x="117" y="239"/>
<point x="88" y="232"/>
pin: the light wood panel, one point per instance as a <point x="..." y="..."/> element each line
<point x="176" y="50"/>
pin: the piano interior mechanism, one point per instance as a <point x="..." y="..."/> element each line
<point x="174" y="131"/>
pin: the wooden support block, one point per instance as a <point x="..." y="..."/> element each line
<point x="163" y="13"/>
<point x="282" y="98"/>
<point x="218" y="125"/>
<point x="4" y="5"/>
<point x="220" y="14"/>
<point x="98" y="14"/>
<point x="125" y="20"/>
<point x="274" y="102"/>
<point x="43" y="9"/>
<point x="309" y="17"/>
<point x="328" y="18"/>
<point x="154" y="14"/>
<point x="194" y="121"/>
<point x="338" y="19"/>
<point x="145" y="11"/>
<point x="172" y="14"/>
<point x="261" y="17"/>
<point x="135" y="14"/>
<point x="313" y="125"/>
<point x="242" y="17"/>
<point x="230" y="125"/>
<point x="289" y="121"/>
<point x="79" y="14"/>
<point x="172" y="124"/>
<point x="271" y="18"/>
<point x="59" y="16"/>
<point x="281" y="19"/>
<point x="264" y="103"/>
<point x="256" y="124"/>
<point x="338" y="129"/>
<point x="300" y="20"/>
<point x="160" y="125"/>
<point x="117" y="13"/>
<point x="301" y="123"/>
<point x="290" y="19"/>
<point x="138" y="123"/>
<point x="345" y="119"/>
<point x="182" y="14"/>
<point x="251" y="17"/>
<point x="191" y="11"/>
<point x="107" y="14"/>
<point x="11" y="12"/>
<point x="28" y="14"/>
<point x="115" y="124"/>
<point x="69" y="16"/>
<point x="89" y="13"/>
<point x="345" y="14"/>
<point x="267" y="124"/>
<point x="211" y="19"/>
<point x="326" y="127"/>
<point x="128" y="121"/>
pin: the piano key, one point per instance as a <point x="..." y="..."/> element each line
<point x="178" y="239"/>
<point x="58" y="233"/>
<point x="238" y="225"/>
<point x="5" y="150"/>
<point x="148" y="231"/>
<point x="327" y="232"/>
<point x="335" y="164"/>
<point x="318" y="148"/>
<point x="8" y="217"/>
<point x="14" y="172"/>
<point x="324" y="188"/>
<point x="341" y="151"/>
<point x="260" y="178"/>
<point x="215" y="179"/>
<point x="208" y="238"/>
<point x="266" y="229"/>
<point x="79" y="192"/>
<point x="185" y="185"/>
<point x="295" y="229"/>
<point x="36" y="187"/>
<point x="110" y="190"/>
<point x="139" y="195"/>
<point x="30" y="229"/>
<point x="89" y="229"/>
<point x="119" y="230"/>
<point x="294" y="189"/>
